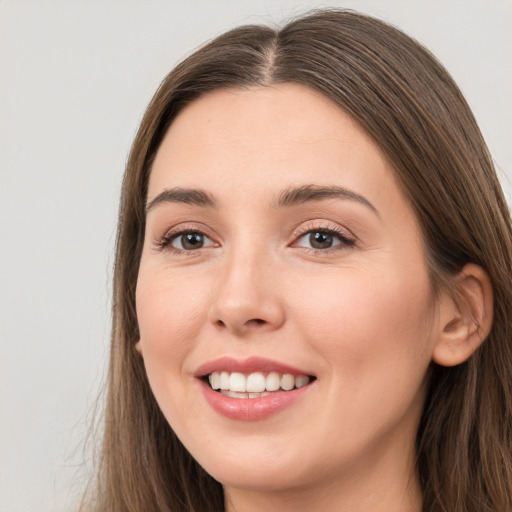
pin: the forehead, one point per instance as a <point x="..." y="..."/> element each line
<point x="258" y="140"/>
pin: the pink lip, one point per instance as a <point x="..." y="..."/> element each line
<point x="250" y="365"/>
<point x="249" y="409"/>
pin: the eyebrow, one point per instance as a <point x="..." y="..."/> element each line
<point x="309" y="193"/>
<point x="190" y="196"/>
<point x="289" y="197"/>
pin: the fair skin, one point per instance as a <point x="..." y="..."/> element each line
<point x="332" y="284"/>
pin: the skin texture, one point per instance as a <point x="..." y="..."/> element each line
<point x="359" y="316"/>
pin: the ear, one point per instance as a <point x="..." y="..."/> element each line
<point x="138" y="348"/>
<point x="466" y="317"/>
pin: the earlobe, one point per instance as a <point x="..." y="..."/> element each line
<point x="138" y="347"/>
<point x="465" y="317"/>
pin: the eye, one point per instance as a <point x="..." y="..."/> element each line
<point x="186" y="241"/>
<point x="323" y="239"/>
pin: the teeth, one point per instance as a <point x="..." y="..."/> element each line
<point x="223" y="380"/>
<point x="235" y="394"/>
<point x="273" y="381"/>
<point x="254" y="385"/>
<point x="301" y="381"/>
<point x="238" y="382"/>
<point x="256" y="382"/>
<point x="287" y="382"/>
<point x="215" y="380"/>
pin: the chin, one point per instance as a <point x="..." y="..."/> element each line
<point x="265" y="478"/>
<point x="257" y="468"/>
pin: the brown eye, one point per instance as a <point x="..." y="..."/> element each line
<point x="190" y="241"/>
<point x="321" y="240"/>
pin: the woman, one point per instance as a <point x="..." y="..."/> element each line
<point x="312" y="285"/>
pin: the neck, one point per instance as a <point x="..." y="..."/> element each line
<point x="376" y="487"/>
<point x="327" y="499"/>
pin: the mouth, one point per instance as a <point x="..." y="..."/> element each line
<point x="252" y="389"/>
<point x="252" y="378"/>
<point x="255" y="384"/>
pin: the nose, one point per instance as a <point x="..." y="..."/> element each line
<point x="248" y="297"/>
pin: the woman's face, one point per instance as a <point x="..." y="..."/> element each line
<point x="279" y="250"/>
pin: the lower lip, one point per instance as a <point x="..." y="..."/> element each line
<point x="252" y="409"/>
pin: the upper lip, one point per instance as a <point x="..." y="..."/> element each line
<point x="247" y="366"/>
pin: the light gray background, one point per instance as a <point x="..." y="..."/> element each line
<point x="75" y="77"/>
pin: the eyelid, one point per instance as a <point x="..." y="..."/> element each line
<point x="322" y="225"/>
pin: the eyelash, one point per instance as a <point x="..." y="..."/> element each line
<point x="346" y="242"/>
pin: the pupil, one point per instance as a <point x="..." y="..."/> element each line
<point x="192" y="241"/>
<point x="320" y="240"/>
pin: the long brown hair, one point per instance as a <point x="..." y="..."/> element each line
<point x="410" y="105"/>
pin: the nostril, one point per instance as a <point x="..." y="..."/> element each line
<point x="256" y="321"/>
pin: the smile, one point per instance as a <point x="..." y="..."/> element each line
<point x="256" y="384"/>
<point x="252" y="389"/>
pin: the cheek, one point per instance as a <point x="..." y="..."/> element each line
<point x="368" y="325"/>
<point x="373" y="335"/>
<point x="170" y="314"/>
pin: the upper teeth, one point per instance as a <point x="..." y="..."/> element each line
<point x="256" y="382"/>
